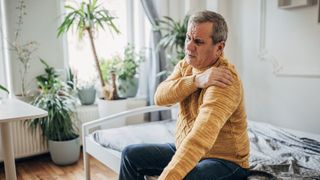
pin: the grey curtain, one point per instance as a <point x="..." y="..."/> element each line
<point x="157" y="61"/>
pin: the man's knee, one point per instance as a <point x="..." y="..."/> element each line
<point x="129" y="151"/>
<point x="199" y="172"/>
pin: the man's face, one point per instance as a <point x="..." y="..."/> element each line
<point x="199" y="48"/>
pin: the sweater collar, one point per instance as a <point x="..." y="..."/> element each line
<point x="216" y="64"/>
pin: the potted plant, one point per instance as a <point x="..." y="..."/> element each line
<point x="127" y="74"/>
<point x="113" y="104"/>
<point x="125" y="69"/>
<point x="58" y="127"/>
<point x="109" y="68"/>
<point x="86" y="92"/>
<point x="120" y="72"/>
<point x="88" y="18"/>
<point x="173" y="39"/>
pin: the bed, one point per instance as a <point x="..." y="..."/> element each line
<point x="272" y="149"/>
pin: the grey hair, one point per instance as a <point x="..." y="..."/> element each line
<point x="219" y="28"/>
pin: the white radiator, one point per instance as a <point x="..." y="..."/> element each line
<point x="28" y="143"/>
<point x="25" y="141"/>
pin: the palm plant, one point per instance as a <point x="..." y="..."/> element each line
<point x="4" y="89"/>
<point x="174" y="35"/>
<point x="88" y="18"/>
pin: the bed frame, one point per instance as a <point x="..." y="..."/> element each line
<point x="111" y="158"/>
<point x="108" y="157"/>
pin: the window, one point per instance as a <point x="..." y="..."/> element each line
<point x="131" y="22"/>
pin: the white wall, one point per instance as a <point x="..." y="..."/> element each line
<point x="4" y="78"/>
<point x="290" y="97"/>
<point x="177" y="9"/>
<point x="40" y="25"/>
<point x="2" y="70"/>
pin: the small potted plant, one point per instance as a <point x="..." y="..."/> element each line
<point x="119" y="73"/>
<point x="58" y="127"/>
<point x="128" y="70"/>
<point x="86" y="92"/>
<point x="125" y="68"/>
<point x="110" y="103"/>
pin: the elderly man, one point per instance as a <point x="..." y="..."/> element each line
<point x="211" y="131"/>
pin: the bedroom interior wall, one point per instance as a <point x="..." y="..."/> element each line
<point x="3" y="52"/>
<point x="290" y="97"/>
<point x="2" y="74"/>
<point x="40" y="24"/>
<point x="2" y="70"/>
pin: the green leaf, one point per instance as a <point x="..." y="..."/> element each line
<point x="4" y="89"/>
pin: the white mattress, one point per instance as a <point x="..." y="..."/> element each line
<point x="271" y="149"/>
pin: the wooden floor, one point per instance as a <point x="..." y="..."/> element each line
<point x="42" y="168"/>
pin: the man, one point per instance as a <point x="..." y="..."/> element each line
<point x="211" y="136"/>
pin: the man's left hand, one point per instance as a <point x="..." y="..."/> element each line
<point x="214" y="77"/>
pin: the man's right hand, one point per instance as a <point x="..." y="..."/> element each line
<point x="214" y="77"/>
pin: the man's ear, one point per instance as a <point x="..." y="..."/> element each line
<point x="221" y="46"/>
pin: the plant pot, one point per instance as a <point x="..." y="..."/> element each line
<point x="128" y="88"/>
<point x="65" y="152"/>
<point x="109" y="107"/>
<point x="87" y="96"/>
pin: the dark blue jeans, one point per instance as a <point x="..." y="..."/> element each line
<point x="141" y="160"/>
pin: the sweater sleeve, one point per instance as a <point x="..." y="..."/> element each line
<point x="175" y="88"/>
<point x="218" y="105"/>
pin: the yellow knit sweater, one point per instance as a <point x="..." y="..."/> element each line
<point x="211" y="122"/>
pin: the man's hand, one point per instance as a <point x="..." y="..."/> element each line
<point x="214" y="77"/>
